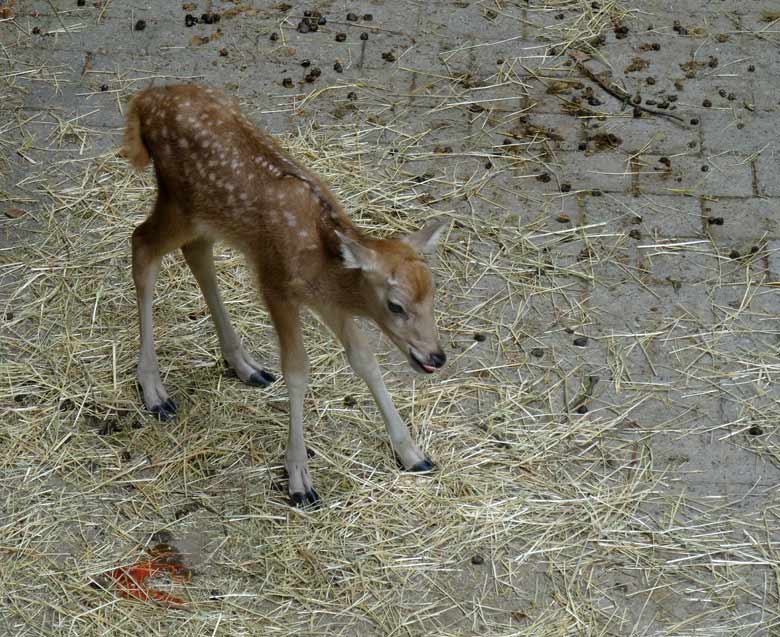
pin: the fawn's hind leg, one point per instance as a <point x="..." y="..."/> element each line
<point x="164" y="231"/>
<point x="199" y="257"/>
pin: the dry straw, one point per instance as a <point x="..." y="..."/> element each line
<point x="548" y="514"/>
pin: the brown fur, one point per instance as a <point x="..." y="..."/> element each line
<point x="133" y="148"/>
<point x="170" y="124"/>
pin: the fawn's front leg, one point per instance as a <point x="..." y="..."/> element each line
<point x="363" y="361"/>
<point x="295" y="368"/>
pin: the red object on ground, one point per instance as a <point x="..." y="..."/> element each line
<point x="130" y="579"/>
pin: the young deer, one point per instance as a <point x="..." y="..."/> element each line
<point x="220" y="178"/>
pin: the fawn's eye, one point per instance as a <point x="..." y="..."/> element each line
<point x="396" y="309"/>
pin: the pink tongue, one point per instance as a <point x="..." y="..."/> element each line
<point x="428" y="368"/>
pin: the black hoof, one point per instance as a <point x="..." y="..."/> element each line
<point x="305" y="500"/>
<point x="423" y="465"/>
<point x="261" y="379"/>
<point x="165" y="411"/>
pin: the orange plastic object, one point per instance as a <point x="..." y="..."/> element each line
<point x="130" y="579"/>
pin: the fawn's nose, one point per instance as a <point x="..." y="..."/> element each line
<point x="438" y="359"/>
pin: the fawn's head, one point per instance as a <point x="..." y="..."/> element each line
<point x="398" y="291"/>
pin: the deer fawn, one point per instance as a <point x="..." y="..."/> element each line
<point x="221" y="178"/>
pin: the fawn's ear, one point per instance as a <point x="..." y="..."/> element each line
<point x="356" y="256"/>
<point x="427" y="237"/>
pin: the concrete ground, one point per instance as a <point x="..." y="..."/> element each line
<point x="659" y="228"/>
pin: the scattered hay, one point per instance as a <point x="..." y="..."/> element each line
<point x="549" y="514"/>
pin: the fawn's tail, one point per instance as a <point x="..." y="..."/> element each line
<point x="133" y="147"/>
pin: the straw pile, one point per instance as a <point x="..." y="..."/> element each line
<point x="544" y="518"/>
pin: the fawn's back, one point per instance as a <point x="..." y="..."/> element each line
<point x="231" y="180"/>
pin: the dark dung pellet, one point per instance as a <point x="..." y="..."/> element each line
<point x="477" y="560"/>
<point x="706" y="103"/>
<point x="341" y="37"/>
<point x="287" y="82"/>
<point x="352" y="95"/>
<point x="755" y="430"/>
<point x="364" y="36"/>
<point x="352" y="17"/>
<point x="104" y="87"/>
<point x="479" y="337"/>
<point x="140" y="25"/>
<point x="581" y="341"/>
<point x="368" y="17"/>
<point x="274" y="36"/>
<point x="305" y="63"/>
<point x="734" y="254"/>
<point x="338" y="68"/>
